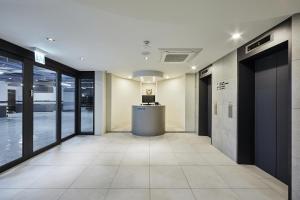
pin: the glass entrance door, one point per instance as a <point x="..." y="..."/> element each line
<point x="67" y="106"/>
<point x="11" y="110"/>
<point x="87" y="106"/>
<point x="44" y="107"/>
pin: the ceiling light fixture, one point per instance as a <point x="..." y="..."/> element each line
<point x="1" y="73"/>
<point x="129" y="77"/>
<point x="146" y="52"/>
<point x="50" y="39"/>
<point x="167" y="77"/>
<point x="194" y="67"/>
<point x="236" y="36"/>
<point x="82" y="58"/>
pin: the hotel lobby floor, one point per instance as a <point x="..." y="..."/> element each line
<point x="122" y="166"/>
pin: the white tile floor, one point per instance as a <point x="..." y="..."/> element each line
<point x="121" y="166"/>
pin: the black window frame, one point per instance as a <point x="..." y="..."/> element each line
<point x="26" y="56"/>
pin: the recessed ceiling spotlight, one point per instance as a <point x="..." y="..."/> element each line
<point x="1" y="73"/>
<point x="50" y="39"/>
<point x="167" y="77"/>
<point x="236" y="36"/>
<point x="129" y="77"/>
<point x="82" y="58"/>
<point x="146" y="57"/>
<point x="194" y="67"/>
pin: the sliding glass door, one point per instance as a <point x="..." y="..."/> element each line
<point x="67" y="106"/>
<point x="11" y="110"/>
<point x="44" y="107"/>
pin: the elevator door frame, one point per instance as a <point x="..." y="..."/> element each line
<point x="246" y="107"/>
<point x="205" y="120"/>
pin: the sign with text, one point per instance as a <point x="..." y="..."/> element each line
<point x="222" y="85"/>
<point x="39" y="57"/>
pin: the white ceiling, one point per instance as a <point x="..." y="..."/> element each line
<point x="110" y="33"/>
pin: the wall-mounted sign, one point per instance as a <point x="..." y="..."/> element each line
<point x="39" y="57"/>
<point x="222" y="85"/>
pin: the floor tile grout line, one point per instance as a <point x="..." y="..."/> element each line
<point x="77" y="177"/>
<point x="194" y="196"/>
<point x="62" y="194"/>
<point x="117" y="171"/>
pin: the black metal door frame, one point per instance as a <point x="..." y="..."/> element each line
<point x="27" y="58"/>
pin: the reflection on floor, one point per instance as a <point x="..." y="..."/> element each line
<point x="121" y="166"/>
<point x="44" y="132"/>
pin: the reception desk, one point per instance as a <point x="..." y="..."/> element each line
<point x="148" y="120"/>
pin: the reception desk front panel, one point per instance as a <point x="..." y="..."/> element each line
<point x="148" y="120"/>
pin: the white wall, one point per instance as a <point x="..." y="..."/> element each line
<point x="178" y="95"/>
<point x="190" y="102"/>
<point x="100" y="103"/>
<point x="171" y="93"/>
<point x="124" y="94"/>
<point x="224" y="129"/>
<point x="3" y="89"/>
<point x="45" y="96"/>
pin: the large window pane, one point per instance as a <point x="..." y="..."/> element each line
<point x="67" y="106"/>
<point x="11" y="108"/>
<point x="87" y="105"/>
<point x="44" y="107"/>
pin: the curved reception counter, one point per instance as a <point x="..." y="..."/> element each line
<point x="148" y="120"/>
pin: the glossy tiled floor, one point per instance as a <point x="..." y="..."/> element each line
<point x="44" y="133"/>
<point x="121" y="166"/>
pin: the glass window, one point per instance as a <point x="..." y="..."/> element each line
<point x="11" y="109"/>
<point x="67" y="106"/>
<point x="44" y="107"/>
<point x="87" y="105"/>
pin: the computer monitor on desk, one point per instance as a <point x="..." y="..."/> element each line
<point x="147" y="99"/>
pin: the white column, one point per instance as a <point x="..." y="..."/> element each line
<point x="100" y="103"/>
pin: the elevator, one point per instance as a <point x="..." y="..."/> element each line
<point x="205" y="102"/>
<point x="271" y="113"/>
<point x="264" y="111"/>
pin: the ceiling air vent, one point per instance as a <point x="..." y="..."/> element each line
<point x="179" y="55"/>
